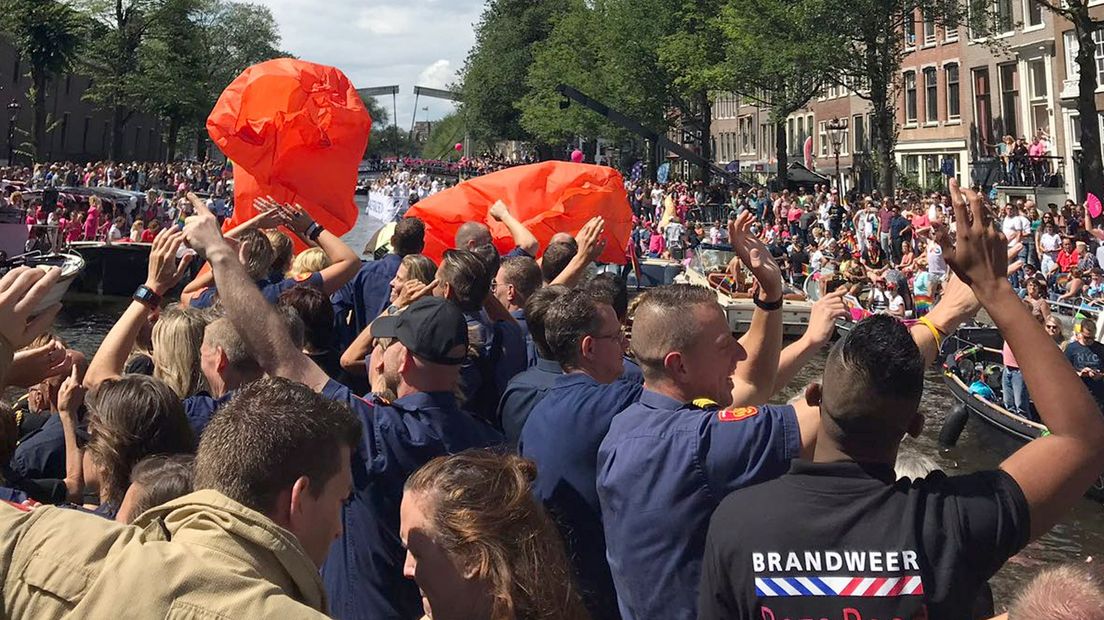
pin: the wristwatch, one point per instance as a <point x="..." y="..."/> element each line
<point x="769" y="306"/>
<point x="147" y="297"/>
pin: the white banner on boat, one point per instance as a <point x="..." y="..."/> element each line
<point x="381" y="207"/>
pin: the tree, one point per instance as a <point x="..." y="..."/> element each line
<point x="1077" y="12"/>
<point x="444" y="135"/>
<point x="117" y="30"/>
<point x="46" y="33"/>
<point x="866" y="58"/>
<point x="497" y="66"/>
<point x="171" y="67"/>
<point x="774" y="57"/>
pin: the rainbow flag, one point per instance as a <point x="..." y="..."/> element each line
<point x="922" y="304"/>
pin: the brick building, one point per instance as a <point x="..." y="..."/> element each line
<point x="80" y="131"/>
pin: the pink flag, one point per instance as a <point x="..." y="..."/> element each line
<point x="1092" y="203"/>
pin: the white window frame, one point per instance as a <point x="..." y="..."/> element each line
<point x="956" y="119"/>
<point x="1042" y="17"/>
<point x="910" y="122"/>
<point x="935" y="71"/>
<point x="929" y="41"/>
<point x="950" y="33"/>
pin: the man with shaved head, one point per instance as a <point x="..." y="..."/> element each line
<point x="472" y="235"/>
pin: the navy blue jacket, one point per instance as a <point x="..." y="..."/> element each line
<point x="524" y="391"/>
<point x="364" y="298"/>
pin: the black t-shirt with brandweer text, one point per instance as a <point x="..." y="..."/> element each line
<point x="844" y="541"/>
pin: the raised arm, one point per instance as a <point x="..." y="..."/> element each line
<point x="344" y="263"/>
<point x="590" y="246"/>
<point x="522" y="237"/>
<point x="70" y="399"/>
<point x="164" y="272"/>
<point x="1052" y="471"/>
<point x="21" y="292"/>
<point x="267" y="217"/>
<point x="753" y="381"/>
<point x="822" y="324"/>
<point x="352" y="359"/>
<point x="256" y="321"/>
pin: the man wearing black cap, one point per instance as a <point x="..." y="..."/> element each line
<point x="425" y="346"/>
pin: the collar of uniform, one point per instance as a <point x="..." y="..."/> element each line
<point x="655" y="400"/>
<point x="392" y="258"/>
<point x="844" y="469"/>
<point x="575" y="378"/>
<point x="518" y="314"/>
<point x="426" y="400"/>
<point x="549" y="366"/>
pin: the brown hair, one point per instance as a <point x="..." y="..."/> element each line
<point x="466" y="274"/>
<point x="162" y="478"/>
<point x="524" y="274"/>
<point x="419" y="267"/>
<point x="272" y="432"/>
<point x="484" y="514"/>
<point x="662" y="323"/>
<point x="133" y="417"/>
<point x="282" y="251"/>
<point x="259" y="258"/>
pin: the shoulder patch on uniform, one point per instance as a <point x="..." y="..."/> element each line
<point x="703" y="403"/>
<point x="303" y="277"/>
<point x="737" y="414"/>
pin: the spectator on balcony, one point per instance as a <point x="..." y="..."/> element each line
<point x="1038" y="152"/>
<point x="1020" y="154"/>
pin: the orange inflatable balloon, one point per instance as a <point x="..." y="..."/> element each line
<point x="549" y="197"/>
<point x="295" y="131"/>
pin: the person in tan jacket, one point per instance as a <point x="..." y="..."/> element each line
<point x="271" y="473"/>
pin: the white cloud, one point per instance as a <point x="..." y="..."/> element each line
<point x="384" y="42"/>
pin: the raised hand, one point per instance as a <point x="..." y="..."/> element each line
<point x="413" y="290"/>
<point x="296" y="218"/>
<point x="499" y="210"/>
<point x="21" y="291"/>
<point x="269" y="214"/>
<point x="71" y="394"/>
<point x="201" y="230"/>
<point x="33" y="366"/>
<point x="755" y="256"/>
<point x="826" y="310"/>
<point x="165" y="269"/>
<point x="980" y="253"/>
<point x="589" y="238"/>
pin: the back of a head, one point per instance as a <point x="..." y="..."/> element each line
<point x="271" y="433"/>
<point x="177" y="335"/>
<point x="556" y="258"/>
<point x="573" y="317"/>
<point x="536" y="312"/>
<point x="159" y="479"/>
<point x="661" y="324"/>
<point x="259" y="256"/>
<point x="282" y="251"/>
<point x="1065" y="592"/>
<point x="471" y="235"/>
<point x="523" y="274"/>
<point x="409" y="237"/>
<point x="490" y="257"/>
<point x="873" y="381"/>
<point x="483" y="511"/>
<point x="466" y="275"/>
<point x="133" y="417"/>
<point x="311" y="260"/>
<point x="221" y="333"/>
<point x="315" y="310"/>
<point x="612" y="288"/>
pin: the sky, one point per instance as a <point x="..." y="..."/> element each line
<point x="384" y="43"/>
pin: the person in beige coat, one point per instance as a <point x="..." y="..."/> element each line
<point x="272" y="472"/>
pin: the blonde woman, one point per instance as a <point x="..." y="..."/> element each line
<point x="309" y="261"/>
<point x="177" y="336"/>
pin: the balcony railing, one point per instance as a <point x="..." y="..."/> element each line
<point x="1046" y="171"/>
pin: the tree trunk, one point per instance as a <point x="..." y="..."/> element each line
<point x="118" y="121"/>
<point x="38" y="126"/>
<point x="781" y="152"/>
<point x="706" y="110"/>
<point x="174" y="134"/>
<point x="883" y="130"/>
<point x="1092" y="170"/>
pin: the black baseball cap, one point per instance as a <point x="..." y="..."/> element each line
<point x="433" y="328"/>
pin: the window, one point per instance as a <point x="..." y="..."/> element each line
<point x="64" y="130"/>
<point x="983" y="110"/>
<point x="912" y="167"/>
<point x="1010" y="98"/>
<point x="929" y="30"/>
<point x="15" y="71"/>
<point x="1040" y="89"/>
<point x="931" y="96"/>
<point x="860" y="134"/>
<point x="953" y="112"/>
<point x="792" y="135"/>
<point x="1005" y="22"/>
<point x="1033" y="14"/>
<point x="823" y="150"/>
<point x="68" y="83"/>
<point x="1073" y="70"/>
<point x="84" y="135"/>
<point x="910" y="97"/>
<point x="950" y="33"/>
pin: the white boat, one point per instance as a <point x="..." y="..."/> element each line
<point x="709" y="268"/>
<point x="71" y="266"/>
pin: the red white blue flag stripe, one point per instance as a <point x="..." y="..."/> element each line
<point x="909" y="585"/>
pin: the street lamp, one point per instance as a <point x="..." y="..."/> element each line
<point x="13" y="111"/>
<point x="835" y="128"/>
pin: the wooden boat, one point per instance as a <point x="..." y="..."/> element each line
<point x="709" y="268"/>
<point x="960" y="360"/>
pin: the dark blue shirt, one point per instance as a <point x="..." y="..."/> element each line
<point x="363" y="574"/>
<point x="632" y="372"/>
<point x="200" y="407"/>
<point x="1091" y="356"/>
<point x="524" y="391"/>
<point x="41" y="454"/>
<point x="530" y="348"/>
<point x="562" y="436"/>
<point x="500" y="356"/>
<point x="270" y="289"/>
<point x="364" y="298"/>
<point x="663" y="468"/>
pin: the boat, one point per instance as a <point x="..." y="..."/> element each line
<point x="962" y="358"/>
<point x="709" y="268"/>
<point x="70" y="264"/>
<point x="653" y="272"/>
<point x="111" y="269"/>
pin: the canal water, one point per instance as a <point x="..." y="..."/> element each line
<point x="1078" y="537"/>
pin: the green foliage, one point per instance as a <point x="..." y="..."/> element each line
<point x="45" y="32"/>
<point x="492" y="80"/>
<point x="171" y="65"/>
<point x="443" y="137"/>
<point x="234" y="36"/>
